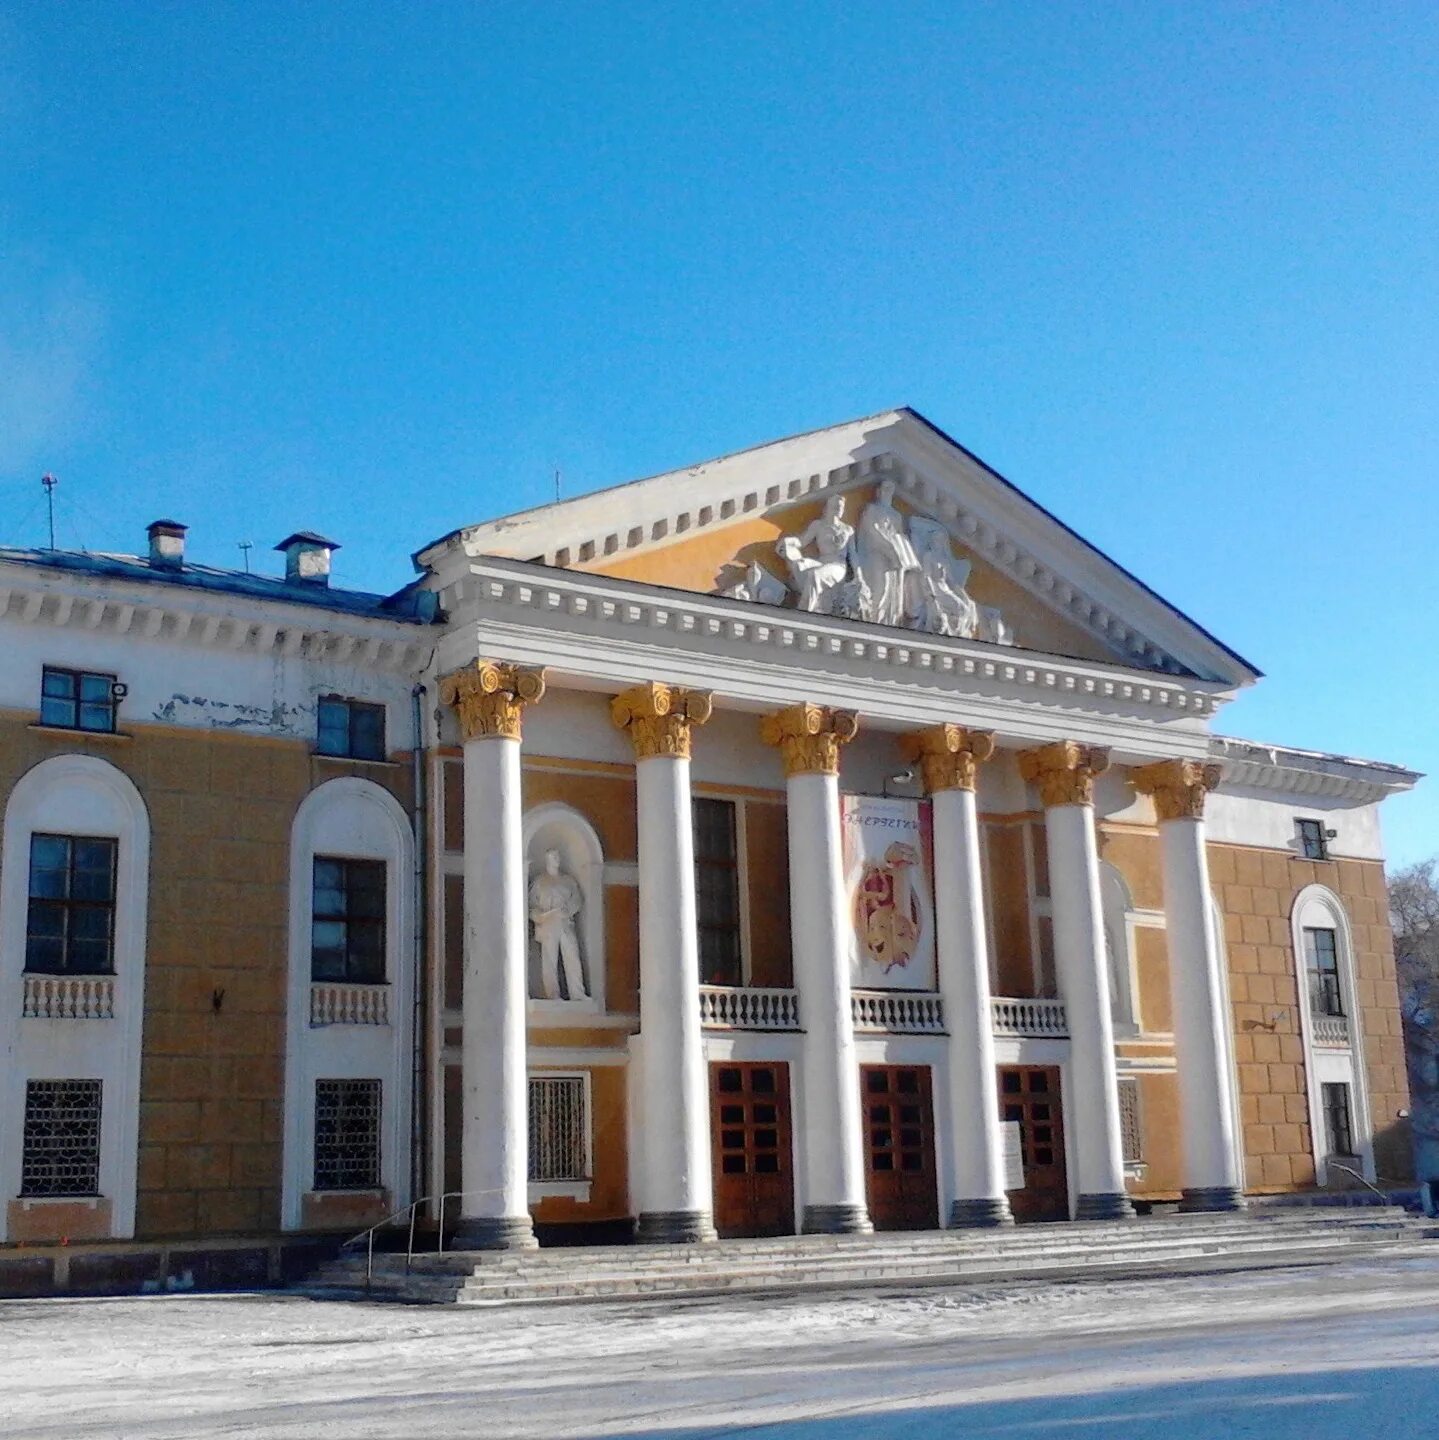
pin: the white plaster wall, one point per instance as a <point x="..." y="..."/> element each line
<point x="1266" y="818"/>
<point x="209" y="687"/>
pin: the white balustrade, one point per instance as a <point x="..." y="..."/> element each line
<point x="1028" y="1019"/>
<point x="69" y="997"/>
<point x="1331" y="1032"/>
<point x="742" y="1007"/>
<point x="897" y="1012"/>
<point x="337" y="1002"/>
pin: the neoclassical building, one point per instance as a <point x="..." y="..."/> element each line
<point x="821" y="838"/>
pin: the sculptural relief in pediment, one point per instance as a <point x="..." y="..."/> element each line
<point x="889" y="568"/>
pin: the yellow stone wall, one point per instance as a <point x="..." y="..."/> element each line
<point x="212" y="1078"/>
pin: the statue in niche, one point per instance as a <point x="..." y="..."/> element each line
<point x="815" y="577"/>
<point x="759" y="585"/>
<point x="945" y="606"/>
<point x="555" y="901"/>
<point x="886" y="560"/>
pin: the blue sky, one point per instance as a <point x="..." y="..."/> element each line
<point x="378" y="270"/>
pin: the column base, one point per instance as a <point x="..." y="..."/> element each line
<point x="979" y="1214"/>
<point x="494" y="1232"/>
<point x="836" y="1220"/>
<point x="1212" y="1197"/>
<point x="675" y="1227"/>
<point x="1105" y="1207"/>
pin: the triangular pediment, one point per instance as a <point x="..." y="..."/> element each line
<point x="936" y="541"/>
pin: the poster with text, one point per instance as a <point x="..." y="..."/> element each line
<point x="888" y="861"/>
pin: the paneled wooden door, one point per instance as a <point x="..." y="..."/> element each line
<point x="899" y="1143"/>
<point x="1030" y="1094"/>
<point x="753" y="1169"/>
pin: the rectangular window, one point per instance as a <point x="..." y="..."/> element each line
<point x="78" y="699"/>
<point x="61" y="1155"/>
<point x="347" y="926"/>
<point x="1313" y="843"/>
<point x="1321" y="955"/>
<point x="70" y="928"/>
<point x="717" y="892"/>
<point x="1131" y="1127"/>
<point x="1338" y="1118"/>
<point x="347" y="1134"/>
<point x="351" y="728"/>
<point x="559" y="1128"/>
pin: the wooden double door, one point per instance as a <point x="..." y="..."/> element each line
<point x="1030" y="1096"/>
<point x="903" y="1190"/>
<point x="753" y="1164"/>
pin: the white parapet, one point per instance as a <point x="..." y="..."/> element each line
<point x="897" y="1012"/>
<point x="338" y="1002"/>
<point x="69" y="997"/>
<point x="1331" y="1032"/>
<point x="741" y="1007"/>
<point x="1028" y="1018"/>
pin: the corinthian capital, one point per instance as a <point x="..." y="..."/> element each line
<point x="1177" y="786"/>
<point x="659" y="718"/>
<point x="1064" y="771"/>
<point x="489" y="697"/>
<point x="809" y="737"/>
<point x="948" y="755"/>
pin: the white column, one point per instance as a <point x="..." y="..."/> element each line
<point x="1064" y="773"/>
<point x="949" y="759"/>
<point x="494" y="1168"/>
<point x="676" y="1187"/>
<point x="1213" y="1168"/>
<point x="831" y="1148"/>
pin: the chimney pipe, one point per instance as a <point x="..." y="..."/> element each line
<point x="307" y="557"/>
<point x="167" y="545"/>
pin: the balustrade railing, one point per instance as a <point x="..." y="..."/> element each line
<point x="69" y="997"/>
<point x="897" y="1012"/>
<point x="335" y="1002"/>
<point x="1028" y="1019"/>
<point x="1331" y="1032"/>
<point x="742" y="1007"/>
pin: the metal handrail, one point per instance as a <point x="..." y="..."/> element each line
<point x="411" y="1211"/>
<point x="1349" y="1170"/>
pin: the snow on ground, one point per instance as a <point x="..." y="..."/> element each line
<point x="1346" y="1351"/>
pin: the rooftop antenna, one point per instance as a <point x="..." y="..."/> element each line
<point x="557" y="484"/>
<point x="245" y="547"/>
<point x="50" y="482"/>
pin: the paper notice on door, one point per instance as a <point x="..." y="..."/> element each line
<point x="1013" y="1155"/>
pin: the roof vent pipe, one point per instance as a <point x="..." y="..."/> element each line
<point x="307" y="557"/>
<point x="167" y="545"/>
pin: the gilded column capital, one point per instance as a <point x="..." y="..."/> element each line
<point x="1178" y="787"/>
<point x="1064" y="771"/>
<point x="948" y="755"/>
<point x="659" y="718"/>
<point x="489" y="697"/>
<point x="809" y="737"/>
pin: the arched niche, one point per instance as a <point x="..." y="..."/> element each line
<point x="1117" y="908"/>
<point x="559" y="827"/>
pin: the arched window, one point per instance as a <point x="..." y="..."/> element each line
<point x="1117" y="907"/>
<point x="74" y="892"/>
<point x="351" y="1006"/>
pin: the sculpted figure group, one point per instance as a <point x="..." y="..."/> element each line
<point x="883" y="570"/>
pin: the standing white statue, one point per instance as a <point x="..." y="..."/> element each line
<point x="816" y="576"/>
<point x="886" y="560"/>
<point x="555" y="900"/>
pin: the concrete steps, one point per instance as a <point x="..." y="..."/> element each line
<point x="1168" y="1244"/>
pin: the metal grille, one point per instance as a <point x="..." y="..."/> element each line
<point x="62" y="1138"/>
<point x="559" y="1128"/>
<point x="347" y="1134"/>
<point x="1131" y="1128"/>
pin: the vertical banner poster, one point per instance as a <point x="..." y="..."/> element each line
<point x="888" y="861"/>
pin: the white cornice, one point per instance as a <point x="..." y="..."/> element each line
<point x="1248" y="765"/>
<point x="218" y="621"/>
<point x="601" y="631"/>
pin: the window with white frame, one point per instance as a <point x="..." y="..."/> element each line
<point x="1313" y="839"/>
<point x="559" y="1128"/>
<point x="1338" y="1118"/>
<point x="1321" y="960"/>
<point x="61" y="1155"/>
<point x="70" y="922"/>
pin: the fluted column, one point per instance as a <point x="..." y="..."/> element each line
<point x="809" y="739"/>
<point x="1213" y="1169"/>
<point x="1064" y="774"/>
<point x="949" y="758"/>
<point x="676" y="1201"/>
<point x="494" y="1209"/>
